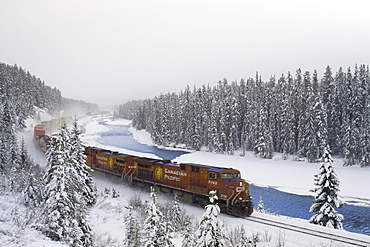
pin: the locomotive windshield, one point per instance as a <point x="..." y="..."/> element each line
<point x="230" y="175"/>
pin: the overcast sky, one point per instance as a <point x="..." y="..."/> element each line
<point x="111" y="51"/>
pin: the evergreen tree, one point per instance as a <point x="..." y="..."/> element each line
<point x="188" y="236"/>
<point x="3" y="156"/>
<point x="64" y="209"/>
<point x="305" y="120"/>
<point x="132" y="230"/>
<point x="327" y="87"/>
<point x="24" y="160"/>
<point x="88" y="188"/>
<point x="326" y="195"/>
<point x="261" y="206"/>
<point x="264" y="146"/>
<point x="32" y="193"/>
<point x="298" y="114"/>
<point x="288" y="144"/>
<point x="210" y="233"/>
<point x="176" y="213"/>
<point x="157" y="231"/>
<point x="365" y="137"/>
<point x="365" y="133"/>
<point x="215" y="144"/>
<point x="244" y="241"/>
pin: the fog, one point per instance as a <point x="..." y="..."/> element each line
<point x="109" y="52"/>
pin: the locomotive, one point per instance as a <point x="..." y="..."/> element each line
<point x="191" y="182"/>
<point x="41" y="139"/>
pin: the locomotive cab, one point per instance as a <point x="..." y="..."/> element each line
<point x="232" y="190"/>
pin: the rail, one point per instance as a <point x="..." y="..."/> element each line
<point x="308" y="231"/>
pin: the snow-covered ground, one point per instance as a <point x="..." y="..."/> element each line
<point x="107" y="217"/>
<point x="286" y="175"/>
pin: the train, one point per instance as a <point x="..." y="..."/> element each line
<point x="190" y="181"/>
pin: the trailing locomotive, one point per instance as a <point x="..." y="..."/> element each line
<point x="191" y="182"/>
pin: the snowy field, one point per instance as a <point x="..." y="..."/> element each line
<point x="107" y="216"/>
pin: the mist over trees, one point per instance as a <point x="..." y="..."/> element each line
<point x="21" y="92"/>
<point x="296" y="114"/>
<point x="21" y="96"/>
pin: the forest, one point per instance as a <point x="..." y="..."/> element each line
<point x="298" y="114"/>
<point x="21" y="94"/>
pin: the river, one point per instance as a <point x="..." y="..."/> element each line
<point x="356" y="218"/>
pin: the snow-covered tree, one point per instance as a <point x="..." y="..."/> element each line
<point x="261" y="206"/>
<point x="365" y="137"/>
<point x="156" y="230"/>
<point x="210" y="232"/>
<point x="32" y="192"/>
<point x="188" y="236"/>
<point x="64" y="209"/>
<point x="176" y="213"/>
<point x="298" y="114"/>
<point x="88" y="189"/>
<point x="24" y="159"/>
<point x="132" y="229"/>
<point x="326" y="195"/>
<point x="244" y="241"/>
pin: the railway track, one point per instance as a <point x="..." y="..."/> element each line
<point x="347" y="241"/>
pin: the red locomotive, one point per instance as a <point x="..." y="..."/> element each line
<point x="191" y="182"/>
<point x="42" y="140"/>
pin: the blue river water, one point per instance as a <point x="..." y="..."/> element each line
<point x="121" y="137"/>
<point x="356" y="218"/>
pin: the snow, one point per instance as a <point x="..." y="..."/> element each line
<point x="93" y="128"/>
<point x="107" y="216"/>
<point x="288" y="175"/>
<point x="285" y="175"/>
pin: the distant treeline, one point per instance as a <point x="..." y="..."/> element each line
<point x="294" y="114"/>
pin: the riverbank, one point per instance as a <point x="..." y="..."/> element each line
<point x="289" y="175"/>
<point x="284" y="185"/>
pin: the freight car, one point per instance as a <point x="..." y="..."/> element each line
<point x="191" y="182"/>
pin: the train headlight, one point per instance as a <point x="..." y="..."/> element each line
<point x="239" y="189"/>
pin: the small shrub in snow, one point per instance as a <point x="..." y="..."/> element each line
<point x="266" y="237"/>
<point x="104" y="239"/>
<point x="115" y="193"/>
<point x="135" y="201"/>
<point x="138" y="206"/>
<point x="261" y="206"/>
<point x="238" y="238"/>
<point x="281" y="239"/>
<point x="107" y="193"/>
